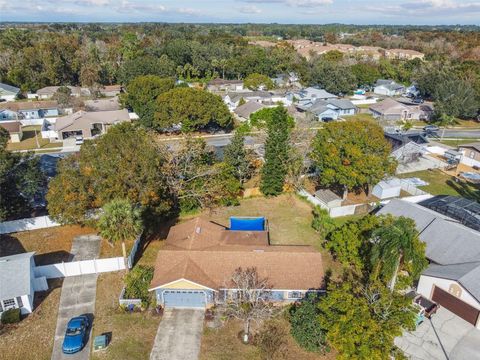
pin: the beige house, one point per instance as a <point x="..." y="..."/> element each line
<point x="392" y="110"/>
<point x="88" y="124"/>
<point x="470" y="154"/>
<point x="403" y="54"/>
<point x="14" y="129"/>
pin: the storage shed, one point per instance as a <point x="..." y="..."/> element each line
<point x="387" y="189"/>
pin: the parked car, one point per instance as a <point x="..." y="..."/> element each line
<point x="418" y="100"/>
<point x="425" y="308"/>
<point x="431" y="128"/>
<point x="327" y="119"/>
<point x="79" y="140"/>
<point x="76" y="335"/>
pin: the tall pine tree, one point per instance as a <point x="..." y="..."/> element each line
<point x="236" y="156"/>
<point x="279" y="125"/>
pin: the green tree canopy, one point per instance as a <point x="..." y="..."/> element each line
<point x="352" y="154"/>
<point x="146" y="65"/>
<point x="365" y="73"/>
<point x="455" y="97"/>
<point x="124" y="163"/>
<point x="193" y="108"/>
<point x="332" y="76"/>
<point x="276" y="151"/>
<point x="256" y="81"/>
<point x="142" y="93"/>
<point x="237" y="157"/>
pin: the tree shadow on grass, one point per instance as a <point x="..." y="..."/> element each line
<point x="466" y="190"/>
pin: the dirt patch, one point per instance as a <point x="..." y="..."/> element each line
<point x="32" y="338"/>
<point x="51" y="245"/>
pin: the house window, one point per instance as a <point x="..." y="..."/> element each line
<point x="9" y="304"/>
<point x="295" y="295"/>
<point x="19" y="301"/>
<point x="472" y="154"/>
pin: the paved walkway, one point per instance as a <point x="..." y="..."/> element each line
<point x="179" y="334"/>
<point x="78" y="296"/>
<point x="445" y="337"/>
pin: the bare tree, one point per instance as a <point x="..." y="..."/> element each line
<point x="250" y="299"/>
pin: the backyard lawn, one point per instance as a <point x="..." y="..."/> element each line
<point x="28" y="141"/>
<point x="32" y="338"/>
<point x="440" y="183"/>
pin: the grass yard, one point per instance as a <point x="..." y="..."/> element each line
<point x="28" y="141"/>
<point x="443" y="184"/>
<point x="132" y="334"/>
<point x="51" y="245"/>
<point x="32" y="338"/>
<point x="457" y="142"/>
<point x="359" y="116"/>
<point x="224" y="344"/>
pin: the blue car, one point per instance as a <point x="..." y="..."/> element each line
<point x="76" y="335"/>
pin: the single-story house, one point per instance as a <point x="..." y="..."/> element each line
<point x="387" y="189"/>
<point x="308" y="96"/>
<point x="225" y="85"/>
<point x="18" y="283"/>
<point x="195" y="266"/>
<point x="110" y="90"/>
<point x="32" y="109"/>
<point x="88" y="124"/>
<point x="453" y="276"/>
<point x="8" y="92"/>
<point x="470" y="154"/>
<point x="393" y="111"/>
<point x="244" y="111"/>
<point x="7" y="114"/>
<point x="110" y="104"/>
<point x="388" y="88"/>
<point x="233" y="99"/>
<point x="48" y="91"/>
<point x="14" y="129"/>
<point x="328" y="198"/>
<point x="330" y="109"/>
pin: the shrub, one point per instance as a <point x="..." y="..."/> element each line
<point x="272" y="340"/>
<point x="137" y="283"/>
<point x="11" y="316"/>
<point x="322" y="222"/>
<point x="305" y="326"/>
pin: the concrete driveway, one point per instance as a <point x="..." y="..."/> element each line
<point x="78" y="296"/>
<point x="179" y="334"/>
<point x="445" y="337"/>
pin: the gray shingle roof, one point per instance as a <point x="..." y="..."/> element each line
<point x="248" y="109"/>
<point x="326" y="195"/>
<point x="8" y="88"/>
<point x="15" y="275"/>
<point x="448" y="242"/>
<point x="467" y="275"/>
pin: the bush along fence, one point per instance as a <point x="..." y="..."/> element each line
<point x="128" y="302"/>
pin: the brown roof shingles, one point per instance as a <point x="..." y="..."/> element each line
<point x="28" y="105"/>
<point x="210" y="256"/>
<point x="12" y="127"/>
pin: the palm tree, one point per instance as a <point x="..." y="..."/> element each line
<point x="120" y="221"/>
<point x="444" y="121"/>
<point x="396" y="243"/>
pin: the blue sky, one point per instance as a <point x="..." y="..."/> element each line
<point x="430" y="12"/>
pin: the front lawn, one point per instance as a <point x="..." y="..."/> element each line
<point x="440" y="183"/>
<point x="32" y="338"/>
<point x="224" y="344"/>
<point x="359" y="116"/>
<point x="132" y="335"/>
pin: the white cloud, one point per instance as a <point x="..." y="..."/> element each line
<point x="250" y="9"/>
<point x="295" y="3"/>
<point x="428" y="8"/>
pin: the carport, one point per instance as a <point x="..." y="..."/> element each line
<point x="184" y="298"/>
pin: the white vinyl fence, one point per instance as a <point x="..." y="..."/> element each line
<point x="39" y="222"/>
<point x="411" y="188"/>
<point x="83" y="267"/>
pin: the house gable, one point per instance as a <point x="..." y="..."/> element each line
<point x="183" y="284"/>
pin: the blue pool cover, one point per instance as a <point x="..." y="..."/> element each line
<point x="247" y="223"/>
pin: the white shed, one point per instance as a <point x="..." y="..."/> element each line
<point x="387" y="189"/>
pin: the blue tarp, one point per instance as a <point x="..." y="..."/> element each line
<point x="247" y="224"/>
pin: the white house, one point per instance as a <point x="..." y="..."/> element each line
<point x="332" y="109"/>
<point x="388" y="88"/>
<point x="387" y="189"/>
<point x="8" y="92"/>
<point x="18" y="283"/>
<point x="308" y="96"/>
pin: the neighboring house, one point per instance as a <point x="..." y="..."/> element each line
<point x="470" y="154"/>
<point x="110" y="104"/>
<point x="225" y="85"/>
<point x="8" y="92"/>
<point x="14" y="129"/>
<point x="285" y="80"/>
<point x="111" y="90"/>
<point x="393" y="111"/>
<point x="7" y="115"/>
<point x="328" y="198"/>
<point x="308" y="96"/>
<point x="233" y="99"/>
<point x="331" y="108"/>
<point x="32" y="109"/>
<point x="387" y="189"/>
<point x="388" y="88"/>
<point x="195" y="266"/>
<point x="18" y="283"/>
<point x="88" y="124"/>
<point x="48" y="91"/>
<point x="453" y="277"/>
<point x="399" y="139"/>
<point x="244" y="111"/>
